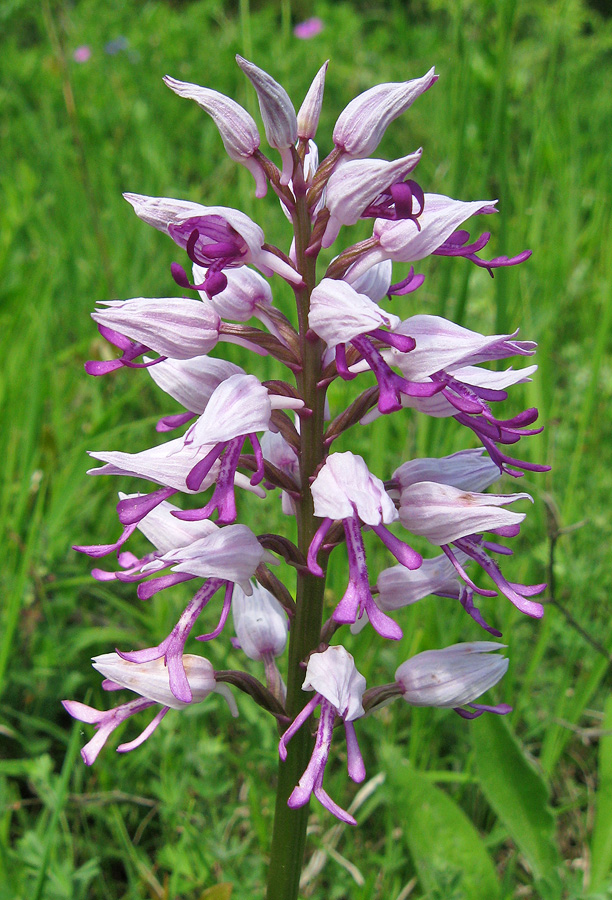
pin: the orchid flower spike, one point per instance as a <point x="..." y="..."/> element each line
<point x="346" y="490"/>
<point x="339" y="689"/>
<point x="236" y="126"/>
<point x="276" y="435"/>
<point x="454" y="677"/>
<point x="150" y="680"/>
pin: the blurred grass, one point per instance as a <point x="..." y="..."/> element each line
<point x="522" y="112"/>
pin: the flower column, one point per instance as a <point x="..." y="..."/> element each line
<point x="289" y="835"/>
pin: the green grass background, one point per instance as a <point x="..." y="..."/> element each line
<point x="522" y="112"/>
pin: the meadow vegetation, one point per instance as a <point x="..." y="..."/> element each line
<point x="451" y="809"/>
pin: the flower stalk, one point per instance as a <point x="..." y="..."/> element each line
<point x="289" y="833"/>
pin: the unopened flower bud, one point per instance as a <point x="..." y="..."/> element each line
<point x="237" y="128"/>
<point x="260" y="622"/>
<point x="277" y="112"/>
<point x="310" y="110"/>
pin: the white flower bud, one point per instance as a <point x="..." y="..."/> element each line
<point x="277" y="112"/>
<point x="260" y="622"/>
<point x="362" y="124"/>
<point x="310" y="110"/>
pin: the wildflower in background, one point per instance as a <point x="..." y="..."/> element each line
<point x="82" y="54"/>
<point x="116" y="45"/>
<point x="309" y="28"/>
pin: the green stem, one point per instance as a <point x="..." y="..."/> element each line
<point x="289" y="835"/>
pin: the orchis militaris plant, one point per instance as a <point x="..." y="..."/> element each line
<point x="275" y="439"/>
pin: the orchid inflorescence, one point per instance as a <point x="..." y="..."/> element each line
<point x="277" y="436"/>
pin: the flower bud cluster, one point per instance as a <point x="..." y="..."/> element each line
<point x="275" y="438"/>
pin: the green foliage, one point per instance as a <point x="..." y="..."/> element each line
<point x="601" y="861"/>
<point x="448" y="853"/>
<point x="522" y="112"/>
<point x="519" y="796"/>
